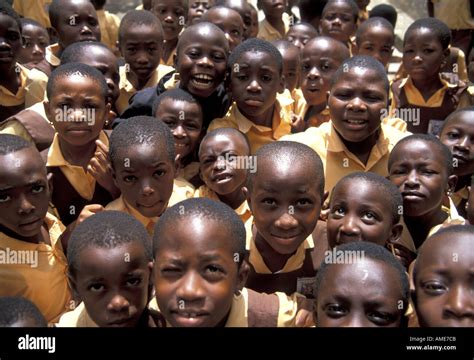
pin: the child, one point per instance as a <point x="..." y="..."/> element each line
<point x="458" y="134"/>
<point x="224" y="157"/>
<point x="34" y="9"/>
<point x="369" y="289"/>
<point x="36" y="39"/>
<point x="254" y="26"/>
<point x="375" y="37"/>
<point x="386" y="11"/>
<point x="320" y="59"/>
<point x="443" y="279"/>
<point x="27" y="229"/>
<point x="255" y="69"/>
<point x="201" y="269"/>
<point x="173" y="16"/>
<point x="20" y="312"/>
<point x="110" y="266"/>
<point x="299" y="34"/>
<point x="244" y="9"/>
<point x="140" y="42"/>
<point x="142" y="157"/>
<point x="197" y="8"/>
<point x="77" y="108"/>
<point x="13" y="79"/>
<point x="363" y="12"/>
<point x="291" y="64"/>
<point x="275" y="25"/>
<point x="428" y="98"/>
<point x="285" y="195"/>
<point x="229" y="21"/>
<point x="201" y="64"/>
<point x="108" y="23"/>
<point x="355" y="139"/>
<point x="422" y="168"/>
<point x="181" y="112"/>
<point x="339" y="20"/>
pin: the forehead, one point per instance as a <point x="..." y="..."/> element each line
<point x="289" y="53"/>
<point x="92" y="55"/>
<point x="377" y="32"/>
<point x="71" y="81"/>
<point x="94" y="257"/>
<point x="72" y="7"/>
<point x="33" y="30"/>
<point x="463" y="119"/>
<point x="322" y="47"/>
<point x="448" y="249"/>
<point x="223" y="140"/>
<point x="421" y="35"/>
<point x="153" y="151"/>
<point x="169" y="105"/>
<point x="7" y="22"/>
<point x="25" y="161"/>
<point x="424" y="150"/>
<point x="301" y="30"/>
<point x="361" y="76"/>
<point x="173" y="3"/>
<point x="338" y="6"/>
<point x="367" y="192"/>
<point x="257" y="58"/>
<point x="203" y="35"/>
<point x="224" y="14"/>
<point x="134" y="30"/>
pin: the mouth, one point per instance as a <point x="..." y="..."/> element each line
<point x="79" y="131"/>
<point x="460" y="157"/>
<point x="189" y="318"/>
<point x="148" y="205"/>
<point x="31" y="222"/>
<point x="284" y="238"/>
<point x="222" y="178"/>
<point x="253" y="102"/>
<point x="87" y="38"/>
<point x="202" y="81"/>
<point x="355" y="123"/>
<point x="119" y="322"/>
<point x="412" y="195"/>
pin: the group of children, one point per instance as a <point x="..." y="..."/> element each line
<point x="225" y="172"/>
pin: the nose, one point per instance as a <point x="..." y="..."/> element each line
<point x="286" y="221"/>
<point x="314" y="73"/>
<point x="142" y="58"/>
<point x="412" y="179"/>
<point x="463" y="144"/>
<point x="179" y="132"/>
<point x="349" y="226"/>
<point x="337" y="21"/>
<point x="459" y="303"/>
<point x="356" y="104"/>
<point x="4" y="45"/>
<point x="205" y="62"/>
<point x="417" y="59"/>
<point x="190" y="289"/>
<point x="118" y="303"/>
<point x="24" y="205"/>
<point x="354" y="320"/>
<point x="78" y="115"/>
<point x="254" y="86"/>
<point x="86" y="30"/>
<point x="169" y="18"/>
<point x="146" y="188"/>
<point x="220" y="163"/>
<point x="37" y="50"/>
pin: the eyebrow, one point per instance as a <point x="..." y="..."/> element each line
<point x="31" y="183"/>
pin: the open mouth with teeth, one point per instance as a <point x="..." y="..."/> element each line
<point x="222" y="178"/>
<point x="202" y="81"/>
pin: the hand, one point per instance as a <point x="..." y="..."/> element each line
<point x="404" y="255"/>
<point x="88" y="211"/>
<point x="100" y="168"/>
<point x="297" y="123"/>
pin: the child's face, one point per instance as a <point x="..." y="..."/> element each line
<point x="197" y="8"/>
<point x="419" y="172"/>
<point x="423" y="54"/>
<point x="377" y="41"/>
<point x="217" y="170"/>
<point x="144" y="174"/>
<point x="185" y="121"/>
<point x="24" y="193"/>
<point x="458" y="135"/>
<point x="197" y="273"/>
<point x="10" y="41"/>
<point x="273" y="8"/>
<point x="113" y="283"/>
<point x="141" y="48"/>
<point x="285" y="202"/>
<point x="443" y="286"/>
<point x="355" y="103"/>
<point x="255" y="82"/>
<point x="253" y="28"/>
<point x="299" y="35"/>
<point x="77" y="22"/>
<point x="291" y="67"/>
<point x="362" y="215"/>
<point x="34" y="47"/>
<point x="319" y="61"/>
<point x="77" y="109"/>
<point x="361" y="294"/>
<point x="172" y="14"/>
<point x="230" y="22"/>
<point x="106" y="62"/>
<point x="338" y="22"/>
<point x="202" y="61"/>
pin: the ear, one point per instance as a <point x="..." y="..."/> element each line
<point x="72" y="285"/>
<point x="151" y="279"/>
<point x="49" y="179"/>
<point x="452" y="181"/>
<point x="243" y="274"/>
<point x="325" y="197"/>
<point x="328" y="93"/>
<point x="175" y="61"/>
<point x="246" y="192"/>
<point x="396" y="233"/>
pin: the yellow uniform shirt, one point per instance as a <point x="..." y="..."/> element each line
<point x="109" y="25"/>
<point x="338" y="161"/>
<point x="243" y="210"/>
<point x="36" y="271"/>
<point x="52" y="55"/>
<point x="189" y="171"/>
<point x="256" y="134"/>
<point x="7" y="98"/>
<point x="34" y="9"/>
<point x="301" y="108"/>
<point x="127" y="90"/>
<point x="456" y="14"/>
<point x="79" y="317"/>
<point x="82" y="181"/>
<point x="36" y="83"/>
<point x="267" y="32"/>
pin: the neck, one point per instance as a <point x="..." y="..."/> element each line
<point x="10" y="79"/>
<point x="168" y="47"/>
<point x="265" y="119"/>
<point x="233" y="199"/>
<point x="420" y="226"/>
<point x="274" y="261"/>
<point x="78" y="155"/>
<point x="428" y="86"/>
<point x="41" y="237"/>
<point x="362" y="149"/>
<point x="463" y="181"/>
<point x="138" y="83"/>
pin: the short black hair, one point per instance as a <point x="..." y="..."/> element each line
<point x="215" y="211"/>
<point x="255" y="45"/>
<point x="370" y="251"/>
<point x="390" y="192"/>
<point x="12" y="143"/>
<point x="451" y="231"/>
<point x="373" y="22"/>
<point x="185" y="3"/>
<point x="305" y="24"/>
<point x="385" y="11"/>
<point x="285" y="45"/>
<point x="106" y="230"/>
<point x="363" y="62"/>
<point x="219" y="7"/>
<point x="6" y="9"/>
<point x="351" y="3"/>
<point x="135" y="18"/>
<point x="226" y="132"/>
<point x="443" y="149"/>
<point x="178" y="94"/>
<point x="195" y="29"/>
<point x="14" y="309"/>
<point x="82" y="70"/>
<point x="78" y="50"/>
<point x="56" y="8"/>
<point x="453" y="115"/>
<point x="439" y="28"/>
<point x="311" y="9"/>
<point x="279" y="151"/>
<point x="231" y="4"/>
<point x="141" y="130"/>
<point x="98" y="4"/>
<point x="343" y="50"/>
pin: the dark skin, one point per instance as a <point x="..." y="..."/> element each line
<point x="376" y="41"/>
<point x="418" y="169"/>
<point x="273" y="13"/>
<point x="300" y="34"/>
<point x="10" y="45"/>
<point x="36" y="40"/>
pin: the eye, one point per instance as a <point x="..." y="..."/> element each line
<point x="36" y="189"/>
<point x="338" y="211"/>
<point x="134" y="281"/>
<point x="96" y="287"/>
<point x="170" y="271"/>
<point x="151" y="49"/>
<point x="381" y="318"/>
<point x="269" y="202"/>
<point x="303" y="202"/>
<point x="4" y="198"/>
<point x="214" y="269"/>
<point x="129" y="178"/>
<point x="242" y="77"/>
<point x="452" y="135"/>
<point x="335" y="310"/>
<point x="369" y="215"/>
<point x="266" y="78"/>
<point x="325" y="67"/>
<point x="434" y="287"/>
<point x="159" y="173"/>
